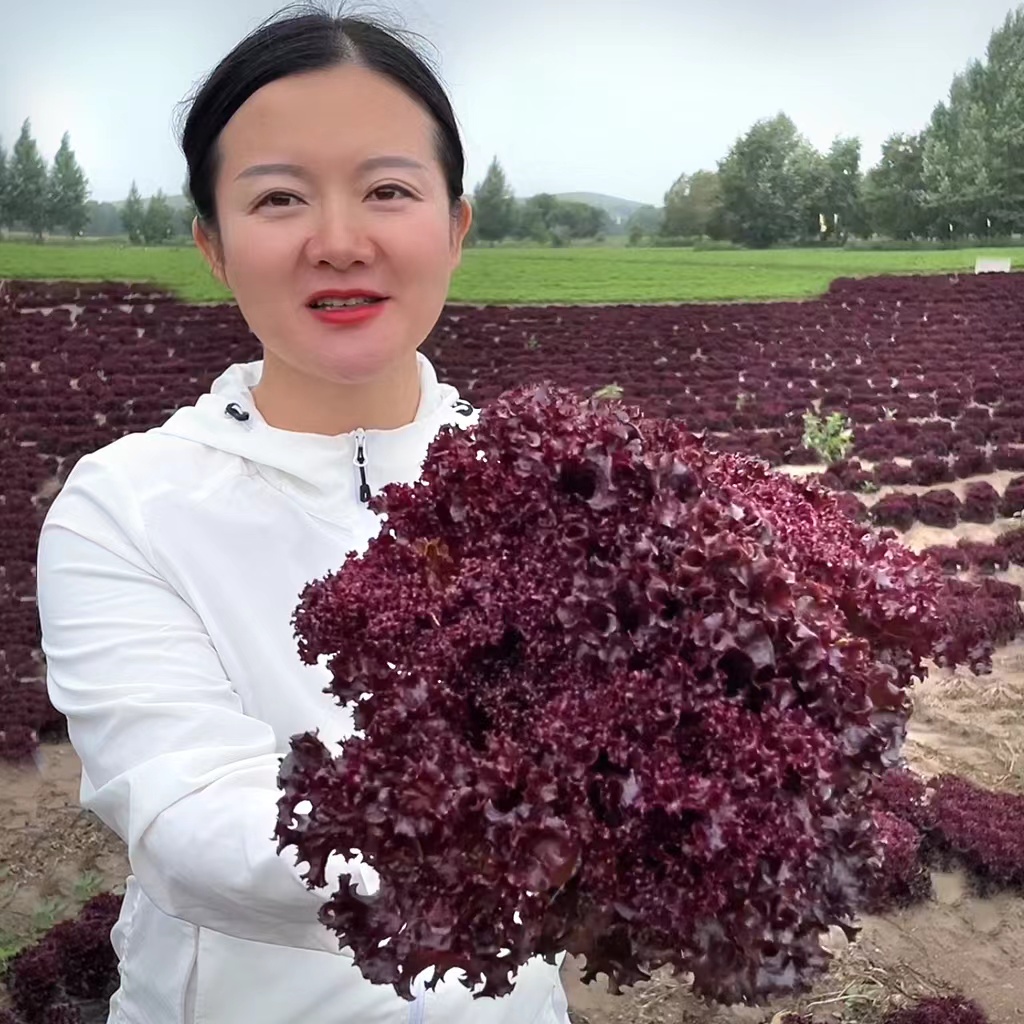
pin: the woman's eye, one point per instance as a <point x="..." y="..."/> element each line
<point x="396" y="190"/>
<point x="269" y="200"/>
<point x="385" y="193"/>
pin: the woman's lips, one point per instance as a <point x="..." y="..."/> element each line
<point x="342" y="316"/>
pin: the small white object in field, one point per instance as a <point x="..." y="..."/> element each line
<point x="992" y="265"/>
<point x="834" y="941"/>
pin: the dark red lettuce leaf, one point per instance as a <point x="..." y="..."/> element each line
<point x="986" y="558"/>
<point x="981" y="502"/>
<point x="61" y="1013"/>
<point x="73" y="960"/>
<point x="897" y="510"/>
<point x="949" y="559"/>
<point x="894" y="473"/>
<point x="939" y="508"/>
<point x="931" y="469"/>
<point x="903" y="878"/>
<point x="1012" y="543"/>
<point x="983" y="828"/>
<point x="618" y="695"/>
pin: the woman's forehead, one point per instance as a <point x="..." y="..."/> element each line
<point x="345" y="112"/>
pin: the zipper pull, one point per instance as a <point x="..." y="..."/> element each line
<point x="360" y="461"/>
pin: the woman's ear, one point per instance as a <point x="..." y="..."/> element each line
<point x="460" y="228"/>
<point x="209" y="246"/>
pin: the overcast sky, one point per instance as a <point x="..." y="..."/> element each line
<point x="613" y="96"/>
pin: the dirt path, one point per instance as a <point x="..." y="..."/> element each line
<point x="53" y="855"/>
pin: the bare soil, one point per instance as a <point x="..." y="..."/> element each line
<point x="53" y="855"/>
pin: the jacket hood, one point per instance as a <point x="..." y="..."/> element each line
<point x="318" y="465"/>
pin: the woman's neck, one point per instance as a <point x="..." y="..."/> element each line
<point x="290" y="400"/>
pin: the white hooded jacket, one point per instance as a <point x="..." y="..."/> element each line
<point x="169" y="566"/>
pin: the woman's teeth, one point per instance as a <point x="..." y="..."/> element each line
<point x="341" y="303"/>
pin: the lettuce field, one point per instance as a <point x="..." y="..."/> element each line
<point x="930" y="371"/>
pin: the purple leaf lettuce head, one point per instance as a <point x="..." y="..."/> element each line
<point x="615" y="694"/>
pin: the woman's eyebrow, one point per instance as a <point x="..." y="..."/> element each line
<point x="373" y="163"/>
<point x="262" y="170"/>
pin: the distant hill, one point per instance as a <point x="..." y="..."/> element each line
<point x="620" y="210"/>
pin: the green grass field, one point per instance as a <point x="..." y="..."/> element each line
<point x="534" y="276"/>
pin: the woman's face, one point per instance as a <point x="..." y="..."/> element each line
<point x="331" y="179"/>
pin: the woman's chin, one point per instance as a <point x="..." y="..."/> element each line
<point x="351" y="367"/>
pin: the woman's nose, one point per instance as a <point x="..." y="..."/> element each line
<point x="340" y="237"/>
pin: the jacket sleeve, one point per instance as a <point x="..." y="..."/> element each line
<point x="170" y="761"/>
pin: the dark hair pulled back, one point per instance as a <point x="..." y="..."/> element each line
<point x="300" y="38"/>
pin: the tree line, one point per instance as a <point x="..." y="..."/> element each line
<point x="961" y="178"/>
<point x="543" y="218"/>
<point x="145" y="222"/>
<point x="37" y="197"/>
<point x="41" y="199"/>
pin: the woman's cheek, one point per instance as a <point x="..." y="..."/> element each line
<point x="268" y="255"/>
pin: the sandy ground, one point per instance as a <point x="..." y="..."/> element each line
<point x="53" y="856"/>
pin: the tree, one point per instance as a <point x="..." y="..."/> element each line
<point x="104" y="220"/>
<point x="894" y="193"/>
<point x="1004" y="91"/>
<point x="28" y="184"/>
<point x="534" y="220"/>
<point x="133" y="215"/>
<point x="570" y="219"/>
<point x="494" y="205"/>
<point x="809" y="199"/>
<point x="691" y="204"/>
<point x="973" y="148"/>
<point x="4" y="187"/>
<point x="843" y="204"/>
<point x="546" y="219"/>
<point x="68" y="191"/>
<point x="765" y="180"/>
<point x="158" y="221"/>
<point x="645" y="220"/>
<point x="957" y="178"/>
<point x="188" y="213"/>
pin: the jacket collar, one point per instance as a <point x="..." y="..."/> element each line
<point x="321" y="468"/>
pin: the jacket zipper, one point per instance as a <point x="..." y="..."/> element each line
<point x="360" y="461"/>
<point x="418" y="1009"/>
<point x="464" y="408"/>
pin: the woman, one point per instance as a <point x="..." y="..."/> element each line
<point x="326" y="168"/>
